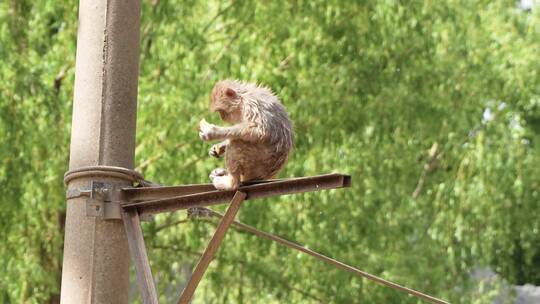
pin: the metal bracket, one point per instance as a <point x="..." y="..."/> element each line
<point x="100" y="203"/>
<point x="103" y="200"/>
<point x="76" y="192"/>
<point x="95" y="208"/>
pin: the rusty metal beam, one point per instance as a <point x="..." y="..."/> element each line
<point x="162" y="192"/>
<point x="258" y="190"/>
<point x="156" y="193"/>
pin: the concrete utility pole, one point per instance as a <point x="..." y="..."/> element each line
<point x="96" y="256"/>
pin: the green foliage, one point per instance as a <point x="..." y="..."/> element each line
<point x="391" y="92"/>
<point x="37" y="43"/>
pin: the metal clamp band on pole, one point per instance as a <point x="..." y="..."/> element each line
<point x="106" y="171"/>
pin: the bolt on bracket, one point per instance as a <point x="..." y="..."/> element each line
<point x="100" y="203"/>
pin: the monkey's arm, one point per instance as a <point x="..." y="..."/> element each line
<point x="247" y="131"/>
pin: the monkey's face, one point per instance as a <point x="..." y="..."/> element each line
<point x="227" y="103"/>
<point x="224" y="115"/>
<point x="231" y="115"/>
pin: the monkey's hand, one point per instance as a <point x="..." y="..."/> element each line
<point x="206" y="130"/>
<point x="218" y="149"/>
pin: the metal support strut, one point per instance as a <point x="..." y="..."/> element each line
<point x="212" y="247"/>
<point x="134" y="203"/>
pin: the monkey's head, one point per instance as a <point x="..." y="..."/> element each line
<point x="226" y="100"/>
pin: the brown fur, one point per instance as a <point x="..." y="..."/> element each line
<point x="257" y="146"/>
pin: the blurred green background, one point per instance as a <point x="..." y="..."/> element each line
<point x="432" y="106"/>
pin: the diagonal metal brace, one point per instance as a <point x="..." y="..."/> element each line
<point x="212" y="248"/>
<point x="137" y="248"/>
<point x="326" y="259"/>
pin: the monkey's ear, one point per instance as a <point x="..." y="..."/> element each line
<point x="230" y="93"/>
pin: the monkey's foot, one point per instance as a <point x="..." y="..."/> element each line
<point x="225" y="182"/>
<point x="217" y="172"/>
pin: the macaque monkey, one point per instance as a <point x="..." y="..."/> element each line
<point x="258" y="143"/>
